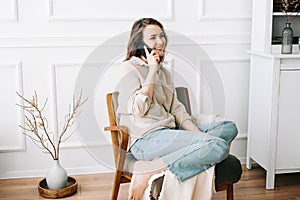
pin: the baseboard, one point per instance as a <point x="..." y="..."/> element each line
<point x="42" y="173"/>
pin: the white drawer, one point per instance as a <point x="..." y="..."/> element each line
<point x="290" y="64"/>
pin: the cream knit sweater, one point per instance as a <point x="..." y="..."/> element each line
<point x="137" y="111"/>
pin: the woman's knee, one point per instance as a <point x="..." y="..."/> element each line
<point x="232" y="129"/>
<point x="219" y="150"/>
<point x="223" y="150"/>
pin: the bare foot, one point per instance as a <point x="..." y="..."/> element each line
<point x="143" y="170"/>
<point x="138" y="184"/>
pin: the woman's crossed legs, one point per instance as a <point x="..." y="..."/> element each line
<point x="184" y="153"/>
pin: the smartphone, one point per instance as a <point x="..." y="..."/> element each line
<point x="140" y="49"/>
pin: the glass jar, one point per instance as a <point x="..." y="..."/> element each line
<point x="287" y="39"/>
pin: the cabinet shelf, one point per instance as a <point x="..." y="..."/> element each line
<point x="282" y="14"/>
<point x="278" y="40"/>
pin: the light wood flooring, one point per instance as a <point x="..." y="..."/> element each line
<point x="98" y="186"/>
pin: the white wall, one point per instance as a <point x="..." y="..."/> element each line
<point x="44" y="44"/>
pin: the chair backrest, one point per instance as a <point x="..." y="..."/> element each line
<point x="115" y="101"/>
<point x="112" y="104"/>
<point x="184" y="98"/>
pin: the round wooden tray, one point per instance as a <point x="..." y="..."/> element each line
<point x="70" y="189"/>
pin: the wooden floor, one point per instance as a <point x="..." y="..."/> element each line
<point x="98" y="186"/>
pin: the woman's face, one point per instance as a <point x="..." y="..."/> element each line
<point x="154" y="37"/>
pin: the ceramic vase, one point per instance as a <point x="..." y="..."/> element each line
<point x="287" y="39"/>
<point x="57" y="176"/>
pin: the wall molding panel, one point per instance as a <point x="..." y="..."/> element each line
<point x="36" y="42"/>
<point x="79" y="10"/>
<point x="213" y="10"/>
<point x="9" y="11"/>
<point x="11" y="77"/>
<point x="62" y="93"/>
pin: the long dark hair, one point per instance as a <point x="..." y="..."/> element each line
<point x="136" y="35"/>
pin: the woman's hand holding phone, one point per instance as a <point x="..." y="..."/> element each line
<point x="153" y="63"/>
<point x="152" y="59"/>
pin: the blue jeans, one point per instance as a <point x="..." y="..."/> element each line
<point x="187" y="153"/>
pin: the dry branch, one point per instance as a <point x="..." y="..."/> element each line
<point x="288" y="7"/>
<point x="36" y="123"/>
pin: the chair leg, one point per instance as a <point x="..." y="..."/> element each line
<point x="229" y="192"/>
<point x="116" y="186"/>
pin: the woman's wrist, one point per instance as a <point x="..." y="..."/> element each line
<point x="153" y="68"/>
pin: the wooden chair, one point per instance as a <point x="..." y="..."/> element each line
<point x="227" y="172"/>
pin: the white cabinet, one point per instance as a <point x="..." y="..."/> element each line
<point x="274" y="94"/>
<point x="274" y="113"/>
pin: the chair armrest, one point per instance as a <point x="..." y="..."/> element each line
<point x="119" y="137"/>
<point x="121" y="142"/>
<point x="116" y="128"/>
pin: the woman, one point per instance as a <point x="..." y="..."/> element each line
<point x="149" y="108"/>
